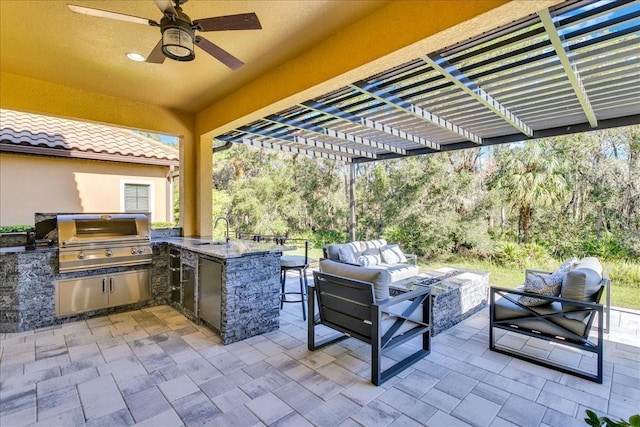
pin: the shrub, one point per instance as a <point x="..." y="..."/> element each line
<point x="163" y="224"/>
<point x="14" y="228"/>
<point x="594" y="421"/>
<point x="511" y="254"/>
<point x="322" y="238"/>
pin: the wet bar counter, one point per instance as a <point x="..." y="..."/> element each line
<point x="237" y="285"/>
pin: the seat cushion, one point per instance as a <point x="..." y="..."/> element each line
<point x="379" y="278"/>
<point x="398" y="272"/>
<point x="292" y="261"/>
<point x="521" y="317"/>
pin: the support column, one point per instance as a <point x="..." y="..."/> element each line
<point x="205" y="187"/>
<point x="352" y="201"/>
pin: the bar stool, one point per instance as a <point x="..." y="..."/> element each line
<point x="300" y="264"/>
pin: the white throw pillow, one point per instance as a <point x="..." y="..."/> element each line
<point x="391" y="254"/>
<point x="368" y="260"/>
<point x="346" y="255"/>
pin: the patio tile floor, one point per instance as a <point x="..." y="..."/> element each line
<point x="154" y="367"/>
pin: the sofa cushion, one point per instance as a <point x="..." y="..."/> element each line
<point x="370" y="244"/>
<point x="398" y="271"/>
<point x="582" y="284"/>
<point x="380" y="278"/>
<point x="358" y="247"/>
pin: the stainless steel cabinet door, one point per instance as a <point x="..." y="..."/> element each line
<point x="210" y="291"/>
<point x="82" y="294"/>
<point x="129" y="287"/>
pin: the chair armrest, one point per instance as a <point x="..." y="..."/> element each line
<point x="423" y="290"/>
<point x="530" y="270"/>
<point x="586" y="304"/>
<point x="341" y="262"/>
<point x="412" y="257"/>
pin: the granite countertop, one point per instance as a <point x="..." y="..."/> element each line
<point x="235" y="248"/>
<point x="18" y="249"/>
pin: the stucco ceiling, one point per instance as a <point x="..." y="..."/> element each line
<point x="44" y="40"/>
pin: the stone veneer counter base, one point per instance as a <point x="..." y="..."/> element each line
<point x="250" y="291"/>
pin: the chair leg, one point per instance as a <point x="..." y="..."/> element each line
<point x="283" y="279"/>
<point x="303" y="285"/>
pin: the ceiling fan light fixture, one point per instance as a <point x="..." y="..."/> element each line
<point x="178" y="40"/>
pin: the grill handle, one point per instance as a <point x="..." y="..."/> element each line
<point x="111" y="284"/>
<point x="104" y="285"/>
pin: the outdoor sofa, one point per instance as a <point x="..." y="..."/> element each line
<point x="559" y="307"/>
<point x="372" y="261"/>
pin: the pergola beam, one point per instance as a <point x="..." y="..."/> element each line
<point x="339" y="113"/>
<point x="400" y="104"/>
<point x="569" y="67"/>
<point x="282" y="147"/>
<point x="307" y="141"/>
<point x="274" y="118"/>
<point x="451" y="73"/>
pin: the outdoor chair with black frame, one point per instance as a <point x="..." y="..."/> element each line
<point x="350" y="307"/>
<point x="298" y="263"/>
<point x="288" y="262"/>
<point x="565" y="319"/>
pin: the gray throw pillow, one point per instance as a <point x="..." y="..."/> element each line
<point x="541" y="284"/>
<point x="546" y="284"/>
<point x="581" y="284"/>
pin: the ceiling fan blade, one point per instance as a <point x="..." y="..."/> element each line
<point x="111" y="15"/>
<point x="220" y="54"/>
<point x="242" y="21"/>
<point x="166" y="7"/>
<point x="156" y="56"/>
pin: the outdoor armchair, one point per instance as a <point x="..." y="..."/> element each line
<point x="564" y="319"/>
<point x="350" y="307"/>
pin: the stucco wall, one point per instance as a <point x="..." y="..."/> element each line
<point x="30" y="184"/>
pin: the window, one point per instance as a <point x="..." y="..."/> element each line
<point x="136" y="197"/>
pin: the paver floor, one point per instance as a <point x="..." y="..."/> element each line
<point x="154" y="367"/>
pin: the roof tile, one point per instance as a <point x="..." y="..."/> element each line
<point x="63" y="134"/>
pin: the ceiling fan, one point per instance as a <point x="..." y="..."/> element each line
<point x="178" y="31"/>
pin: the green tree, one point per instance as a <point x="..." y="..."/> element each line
<point x="529" y="177"/>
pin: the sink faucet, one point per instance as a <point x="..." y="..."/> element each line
<point x="225" y="220"/>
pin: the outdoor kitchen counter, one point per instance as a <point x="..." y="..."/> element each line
<point x="222" y="250"/>
<point x="236" y="290"/>
<point x="27" y="287"/>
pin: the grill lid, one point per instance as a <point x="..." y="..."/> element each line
<point x="84" y="229"/>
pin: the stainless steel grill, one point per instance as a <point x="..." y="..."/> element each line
<point x="92" y="241"/>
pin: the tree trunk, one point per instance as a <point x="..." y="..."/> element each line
<point x="526" y="223"/>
